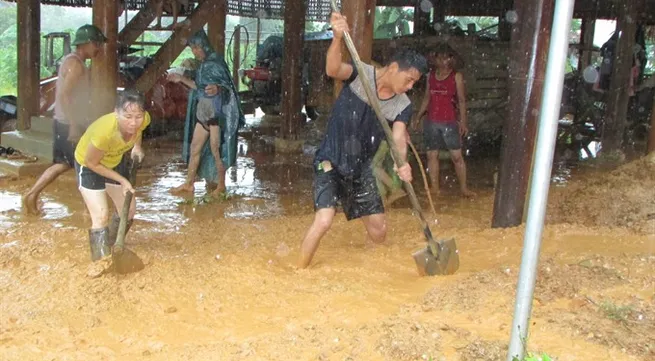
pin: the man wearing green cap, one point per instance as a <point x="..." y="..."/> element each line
<point x="71" y="107"/>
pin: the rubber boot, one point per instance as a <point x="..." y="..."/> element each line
<point x="113" y="228"/>
<point x="99" y="242"/>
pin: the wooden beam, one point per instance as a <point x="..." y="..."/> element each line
<point x="504" y="26"/>
<point x="528" y="54"/>
<point x="618" y="94"/>
<point x="138" y="24"/>
<point x="176" y="43"/>
<point x="294" y="39"/>
<point x="421" y="20"/>
<point x="236" y="56"/>
<point x="29" y="51"/>
<point x="216" y="28"/>
<point x="586" y="42"/>
<point x="104" y="67"/>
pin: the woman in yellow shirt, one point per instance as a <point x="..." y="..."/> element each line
<point x="102" y="169"/>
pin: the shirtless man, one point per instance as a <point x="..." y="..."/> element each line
<point x="71" y="104"/>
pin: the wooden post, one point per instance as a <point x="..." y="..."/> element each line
<point x="138" y="24"/>
<point x="236" y="55"/>
<point x="360" y="21"/>
<point x="651" y="134"/>
<point x="294" y="39"/>
<point x="618" y="97"/>
<point x="366" y="52"/>
<point x="421" y="20"/>
<point x="104" y="67"/>
<point x="216" y="28"/>
<point x="586" y="42"/>
<point x="439" y="11"/>
<point x="29" y="61"/>
<point x="528" y="54"/>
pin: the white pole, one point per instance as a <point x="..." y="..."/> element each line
<point x="540" y="180"/>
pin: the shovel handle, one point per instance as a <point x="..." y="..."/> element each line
<point x="125" y="211"/>
<point x="375" y="104"/>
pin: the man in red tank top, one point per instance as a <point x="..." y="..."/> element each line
<point x="445" y="104"/>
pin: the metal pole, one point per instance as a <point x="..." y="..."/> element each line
<point x="540" y="181"/>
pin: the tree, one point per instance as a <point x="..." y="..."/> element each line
<point x="391" y="22"/>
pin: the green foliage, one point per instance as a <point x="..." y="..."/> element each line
<point x="7" y="18"/>
<point x="391" y="22"/>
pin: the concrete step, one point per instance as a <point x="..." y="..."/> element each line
<point x="30" y="142"/>
<point x="42" y="125"/>
<point x="21" y="168"/>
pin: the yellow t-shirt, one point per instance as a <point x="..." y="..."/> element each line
<point x="104" y="135"/>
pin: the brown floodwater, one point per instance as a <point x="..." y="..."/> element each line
<point x="220" y="281"/>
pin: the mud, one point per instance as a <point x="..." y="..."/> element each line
<point x="220" y="281"/>
<point x="620" y="198"/>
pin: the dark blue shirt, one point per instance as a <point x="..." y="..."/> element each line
<point x="354" y="133"/>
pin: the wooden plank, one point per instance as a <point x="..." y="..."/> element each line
<point x="138" y="24"/>
<point x="176" y="43"/>
<point x="497" y="83"/>
<point x="29" y="61"/>
<point x="478" y="94"/>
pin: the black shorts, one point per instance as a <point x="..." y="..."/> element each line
<point x="88" y="179"/>
<point x="359" y="196"/>
<point x="441" y="136"/>
<point x="63" y="150"/>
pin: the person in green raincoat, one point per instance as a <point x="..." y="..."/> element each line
<point x="214" y="114"/>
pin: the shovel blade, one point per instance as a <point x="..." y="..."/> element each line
<point x="126" y="262"/>
<point x="444" y="263"/>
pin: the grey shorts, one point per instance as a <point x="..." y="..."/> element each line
<point x="206" y="112"/>
<point x="441" y="136"/>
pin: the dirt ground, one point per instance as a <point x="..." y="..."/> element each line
<point x="621" y="198"/>
<point x="220" y="281"/>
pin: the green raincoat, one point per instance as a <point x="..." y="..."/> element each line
<point x="214" y="70"/>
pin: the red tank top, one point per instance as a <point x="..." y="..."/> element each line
<point x="443" y="99"/>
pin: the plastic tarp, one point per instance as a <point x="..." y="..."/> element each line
<point x="214" y="70"/>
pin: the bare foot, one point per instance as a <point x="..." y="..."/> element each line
<point x="467" y="193"/>
<point x="184" y="188"/>
<point x="218" y="193"/>
<point x="29" y="204"/>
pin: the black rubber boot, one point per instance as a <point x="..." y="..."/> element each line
<point x="113" y="228"/>
<point x="99" y="242"/>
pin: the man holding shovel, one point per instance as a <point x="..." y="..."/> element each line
<point x="343" y="169"/>
<point x="102" y="169"/>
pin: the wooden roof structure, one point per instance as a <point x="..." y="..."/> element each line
<point x="319" y="10"/>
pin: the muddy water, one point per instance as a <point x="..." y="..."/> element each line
<point x="220" y="283"/>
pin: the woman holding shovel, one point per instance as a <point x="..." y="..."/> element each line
<point x="102" y="169"/>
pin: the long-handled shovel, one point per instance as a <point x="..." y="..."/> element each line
<point x="124" y="260"/>
<point x="438" y="257"/>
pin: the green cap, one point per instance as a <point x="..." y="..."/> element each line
<point x="88" y="33"/>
